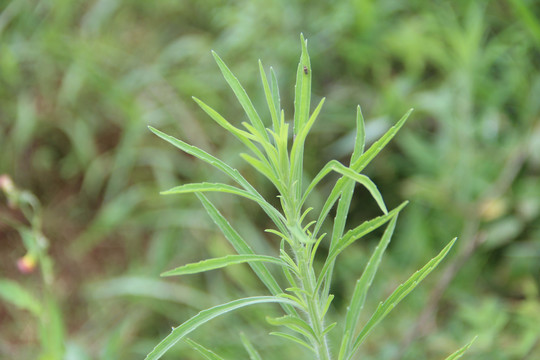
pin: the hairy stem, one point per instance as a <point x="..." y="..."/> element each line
<point x="313" y="302"/>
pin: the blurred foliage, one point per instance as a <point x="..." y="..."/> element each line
<point x="80" y="80"/>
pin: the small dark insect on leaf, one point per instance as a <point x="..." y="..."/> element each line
<point x="305" y="70"/>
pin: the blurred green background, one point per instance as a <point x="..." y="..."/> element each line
<point x="81" y="80"/>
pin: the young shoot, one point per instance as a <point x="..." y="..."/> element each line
<point x="304" y="294"/>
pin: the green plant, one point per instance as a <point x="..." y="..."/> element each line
<point x="306" y="298"/>
<point x="42" y="303"/>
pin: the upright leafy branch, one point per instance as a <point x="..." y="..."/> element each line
<point x="305" y="294"/>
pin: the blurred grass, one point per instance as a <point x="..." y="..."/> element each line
<point x="80" y="81"/>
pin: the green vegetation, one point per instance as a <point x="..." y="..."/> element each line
<point x="80" y="83"/>
<point x="307" y="288"/>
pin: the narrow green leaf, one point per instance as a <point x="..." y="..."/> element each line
<point x="242" y="97"/>
<point x="14" y="293"/>
<point x="263" y="168"/>
<point x="218" y="263"/>
<point x="286" y="258"/>
<point x="280" y="141"/>
<point x="403" y="290"/>
<point x="245" y="137"/>
<point x="283" y="151"/>
<point x="293" y="339"/>
<point x="242" y="247"/>
<point x="376" y="148"/>
<point x="329" y="203"/>
<point x="275" y="92"/>
<point x="292" y="280"/>
<point x="334" y="165"/>
<point x="304" y="214"/>
<point x="302" y="95"/>
<point x="206" y="315"/>
<point x="294" y="323"/>
<point x="297" y="150"/>
<point x="206" y="353"/>
<point x="327" y="305"/>
<point x="329" y="328"/>
<point x="277" y="233"/>
<point x="364" y="283"/>
<point x="344" y="342"/>
<point x="275" y="215"/>
<point x="346" y="185"/>
<point x="364" y="228"/>
<point x="308" y="225"/>
<point x="314" y="249"/>
<point x="269" y="149"/>
<point x="342" y="209"/>
<point x="339" y="224"/>
<point x="459" y="353"/>
<point x="302" y="99"/>
<point x="304" y="131"/>
<point x="301" y="304"/>
<point x="253" y="353"/>
<point x="358" y="164"/>
<point x="344" y="188"/>
<point x="241" y="134"/>
<point x="202" y="155"/>
<point x="353" y="235"/>
<point x="274" y="112"/>
<point x="298" y="291"/>
<point x="212" y="187"/>
<point x="360" y="140"/>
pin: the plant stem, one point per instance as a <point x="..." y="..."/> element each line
<point x="308" y="280"/>
<point x="313" y="302"/>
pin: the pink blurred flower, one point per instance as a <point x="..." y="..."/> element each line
<point x="26" y="264"/>
<point x="6" y="183"/>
